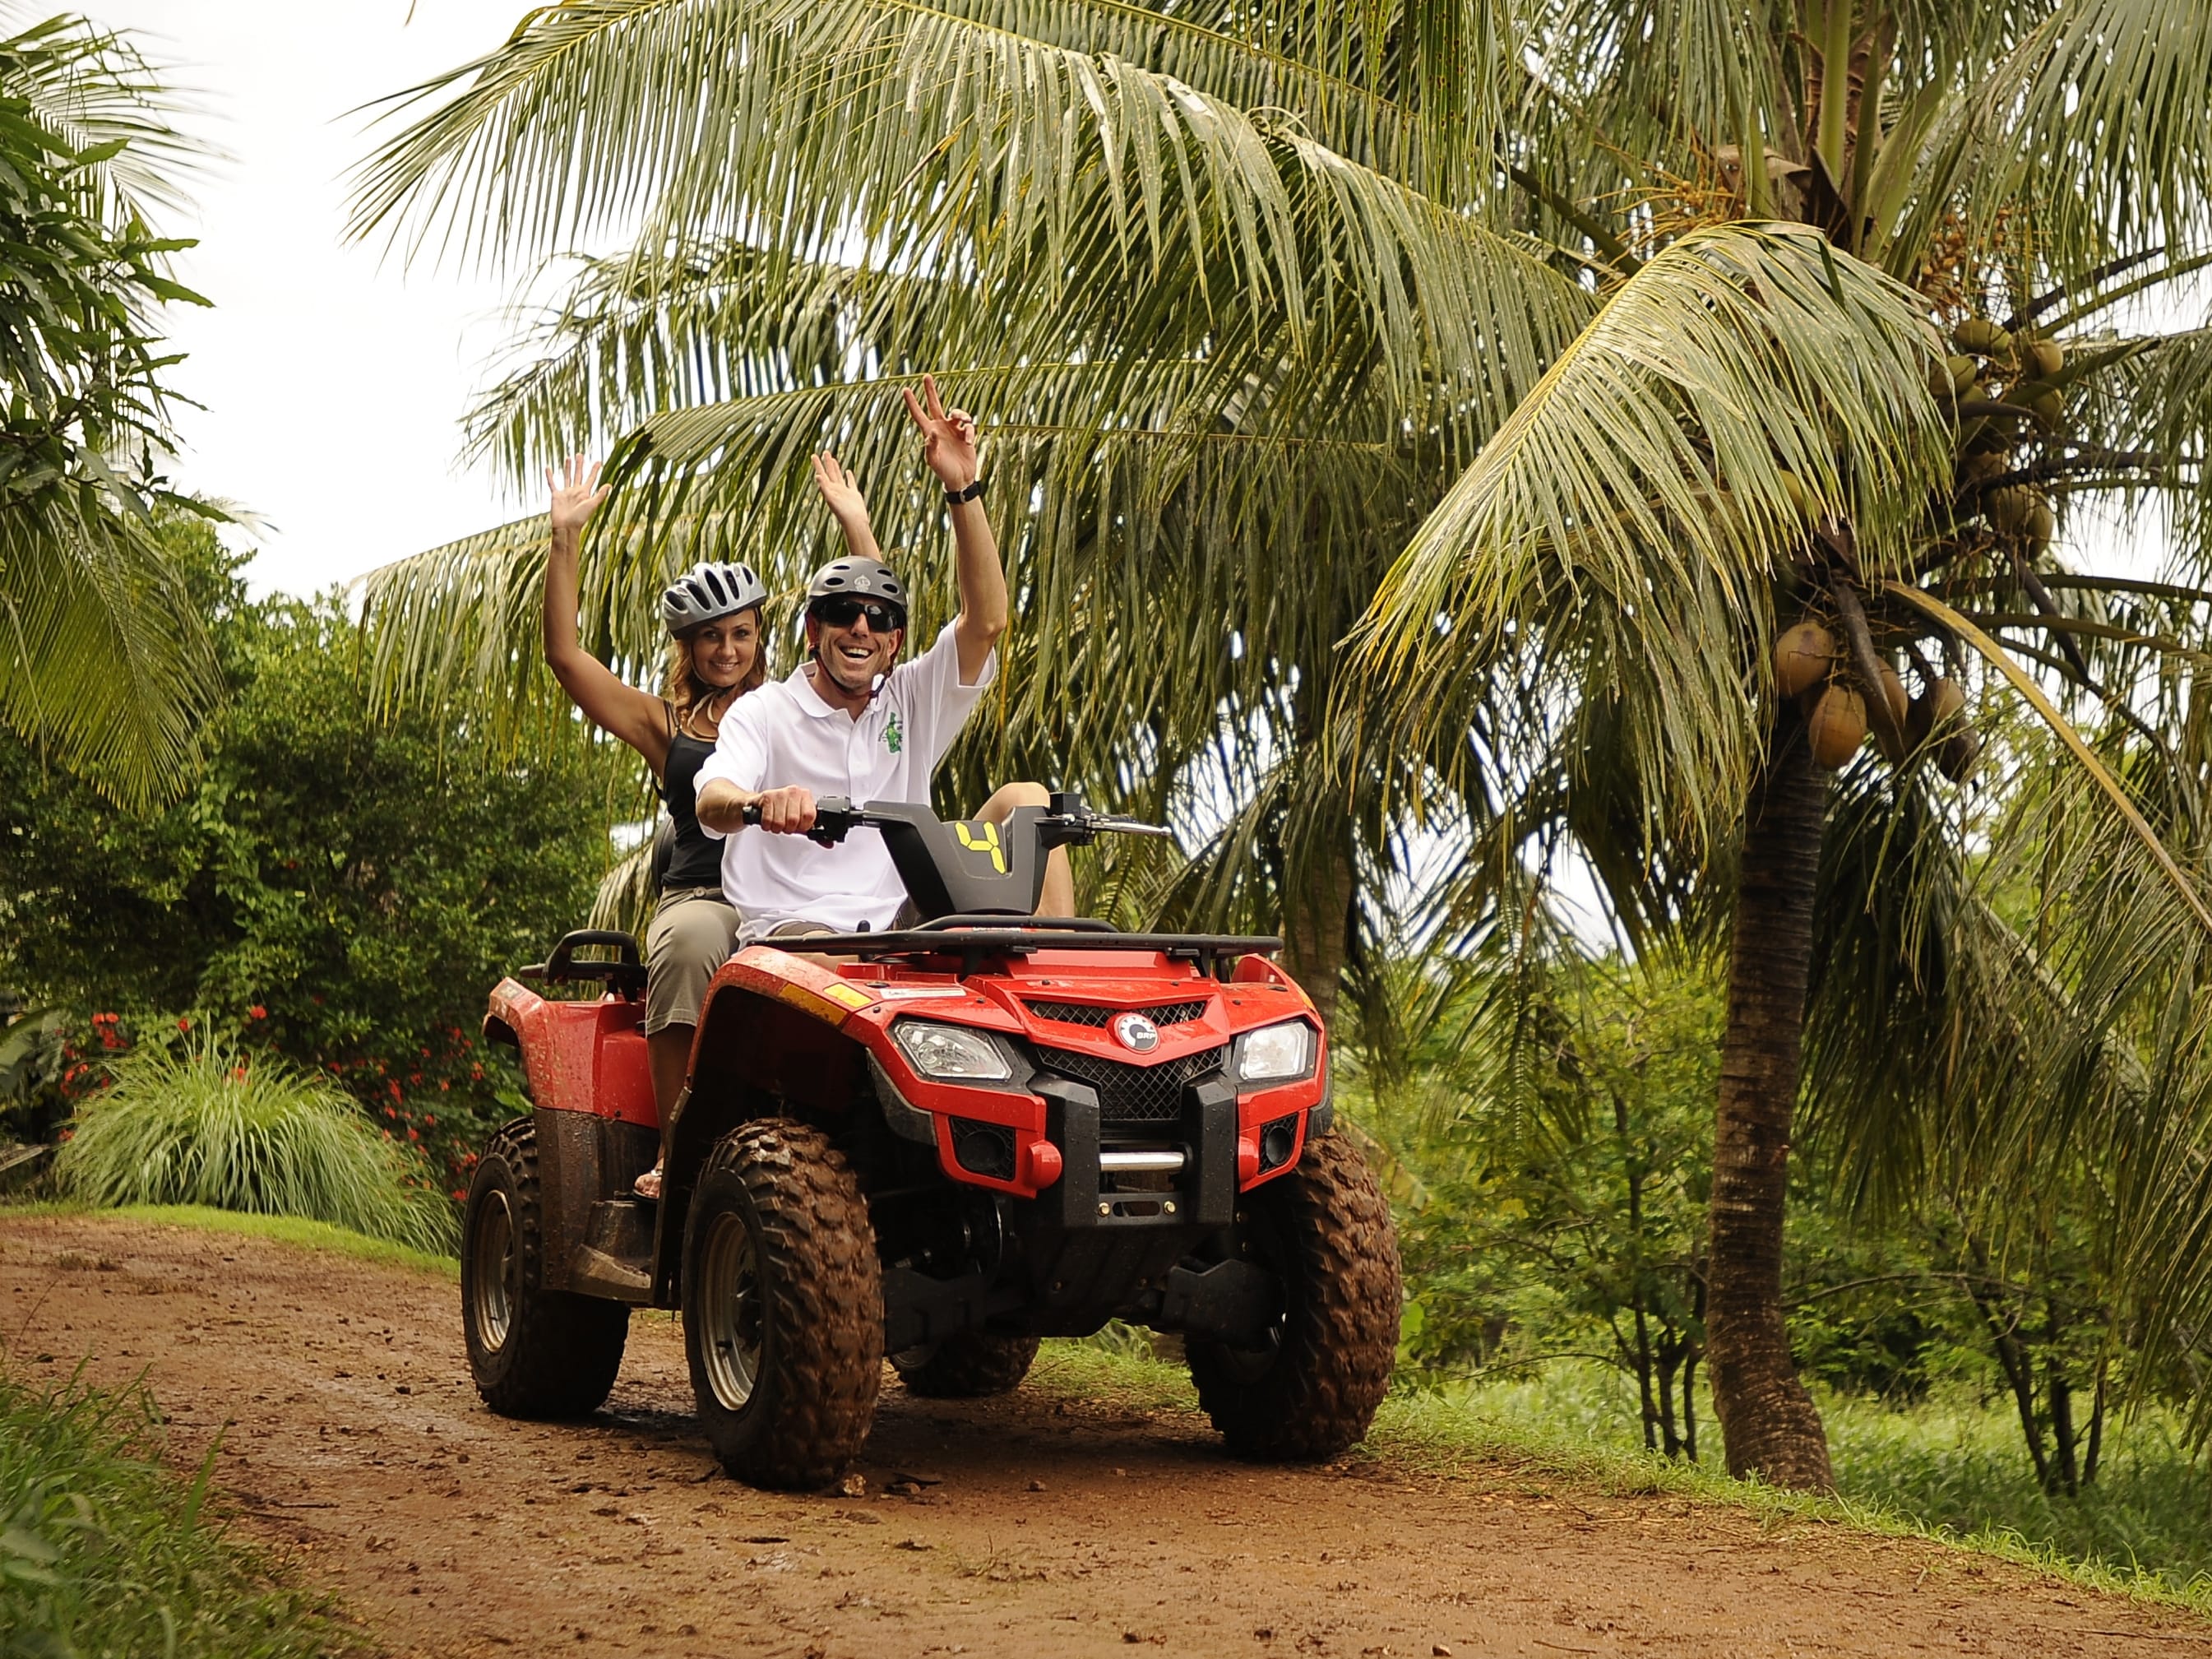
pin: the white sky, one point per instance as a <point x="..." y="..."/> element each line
<point x="333" y="381"/>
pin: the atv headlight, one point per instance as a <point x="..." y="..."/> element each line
<point x="950" y="1051"/>
<point x="1275" y="1054"/>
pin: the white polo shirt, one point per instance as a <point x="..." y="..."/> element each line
<point x="785" y="735"/>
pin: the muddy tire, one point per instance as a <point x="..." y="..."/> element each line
<point x="967" y="1366"/>
<point x="533" y="1352"/>
<point x="1312" y="1390"/>
<point x="783" y="1306"/>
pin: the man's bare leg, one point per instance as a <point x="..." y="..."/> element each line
<point x="1058" y="899"/>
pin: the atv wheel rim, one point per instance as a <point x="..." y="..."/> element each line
<point x="729" y="1303"/>
<point x="491" y="1261"/>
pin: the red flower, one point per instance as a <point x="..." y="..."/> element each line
<point x="69" y="1135"/>
<point x="413" y="1134"/>
<point x="257" y="1011"/>
<point x="459" y="1195"/>
<point x="184" y="1022"/>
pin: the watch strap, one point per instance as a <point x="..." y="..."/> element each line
<point x="973" y="492"/>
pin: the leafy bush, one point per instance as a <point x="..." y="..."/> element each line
<point x="210" y="1126"/>
<point x="338" y="886"/>
<point x="104" y="1550"/>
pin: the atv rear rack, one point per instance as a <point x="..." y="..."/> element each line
<point x="976" y="939"/>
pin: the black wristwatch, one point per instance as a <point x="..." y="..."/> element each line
<point x="974" y="492"/>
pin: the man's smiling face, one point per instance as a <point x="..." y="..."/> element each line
<point x="854" y="641"/>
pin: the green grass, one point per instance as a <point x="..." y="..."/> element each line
<point x="104" y="1550"/>
<point x="211" y="1126"/>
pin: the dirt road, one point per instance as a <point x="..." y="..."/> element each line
<point x="1044" y="1524"/>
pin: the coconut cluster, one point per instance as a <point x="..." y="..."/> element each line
<point x="1811" y="669"/>
<point x="1991" y="365"/>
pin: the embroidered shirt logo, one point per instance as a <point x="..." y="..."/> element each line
<point x="894" y="738"/>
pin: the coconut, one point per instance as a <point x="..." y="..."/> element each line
<point x="2013" y="508"/>
<point x="1982" y="337"/>
<point x="1956" y="757"/>
<point x="1799" y="497"/>
<point x="2042" y="522"/>
<point x="2045" y="358"/>
<point x="1900" y="706"/>
<point x="1964" y="370"/>
<point x="1938" y="710"/>
<point x="1985" y="464"/>
<point x="1837" y="725"/>
<point x="1801" y="658"/>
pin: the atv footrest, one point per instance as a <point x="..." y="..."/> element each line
<point x="616" y="1258"/>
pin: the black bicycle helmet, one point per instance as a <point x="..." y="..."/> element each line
<point x="860" y="578"/>
<point x="708" y="591"/>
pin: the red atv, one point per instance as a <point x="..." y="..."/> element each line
<point x="970" y="1134"/>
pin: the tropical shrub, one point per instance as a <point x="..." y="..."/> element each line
<point x="209" y="1126"/>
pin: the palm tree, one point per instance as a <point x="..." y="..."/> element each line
<point x="1257" y="298"/>
<point x="102" y="657"/>
<point x="1979" y="980"/>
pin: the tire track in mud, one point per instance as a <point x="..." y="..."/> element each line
<point x="1045" y="1523"/>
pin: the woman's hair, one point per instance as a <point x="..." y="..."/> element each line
<point x="684" y="690"/>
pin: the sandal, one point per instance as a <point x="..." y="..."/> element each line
<point x="647" y="1186"/>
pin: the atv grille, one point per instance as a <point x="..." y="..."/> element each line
<point x="1134" y="1094"/>
<point x="1082" y="1013"/>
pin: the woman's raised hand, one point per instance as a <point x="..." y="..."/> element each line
<point x="948" y="436"/>
<point x="841" y="491"/>
<point x="575" y="497"/>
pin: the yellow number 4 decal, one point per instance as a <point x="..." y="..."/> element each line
<point x="986" y="842"/>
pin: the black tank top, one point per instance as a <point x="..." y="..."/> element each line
<point x="697" y="860"/>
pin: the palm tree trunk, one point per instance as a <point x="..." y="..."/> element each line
<point x="1317" y="919"/>
<point x="1768" y="1422"/>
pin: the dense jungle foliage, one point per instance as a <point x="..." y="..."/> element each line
<point x="333" y="888"/>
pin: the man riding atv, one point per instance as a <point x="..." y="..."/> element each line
<point x="849" y="722"/>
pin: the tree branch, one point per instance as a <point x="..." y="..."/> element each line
<point x="1868" y="663"/>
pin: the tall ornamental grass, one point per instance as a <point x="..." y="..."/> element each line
<point x="211" y="1126"/>
<point x="103" y="1551"/>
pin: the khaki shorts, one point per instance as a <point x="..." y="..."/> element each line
<point x="691" y="934"/>
<point x="800" y="928"/>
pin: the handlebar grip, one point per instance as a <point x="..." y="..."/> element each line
<point x="834" y="817"/>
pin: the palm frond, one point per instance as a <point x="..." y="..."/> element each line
<point x="705" y="113"/>
<point x="1617" y="539"/>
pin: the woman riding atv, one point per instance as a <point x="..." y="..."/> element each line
<point x="715" y="655"/>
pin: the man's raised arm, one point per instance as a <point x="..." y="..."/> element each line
<point x="948" y="446"/>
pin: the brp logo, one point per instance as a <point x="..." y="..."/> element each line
<point x="1136" y="1033"/>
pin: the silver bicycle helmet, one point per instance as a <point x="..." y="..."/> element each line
<point x="707" y="592"/>
<point x="857" y="578"/>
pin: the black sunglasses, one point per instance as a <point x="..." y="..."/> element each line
<point x="841" y="613"/>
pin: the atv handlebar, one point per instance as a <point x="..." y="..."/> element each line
<point x="1066" y="823"/>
